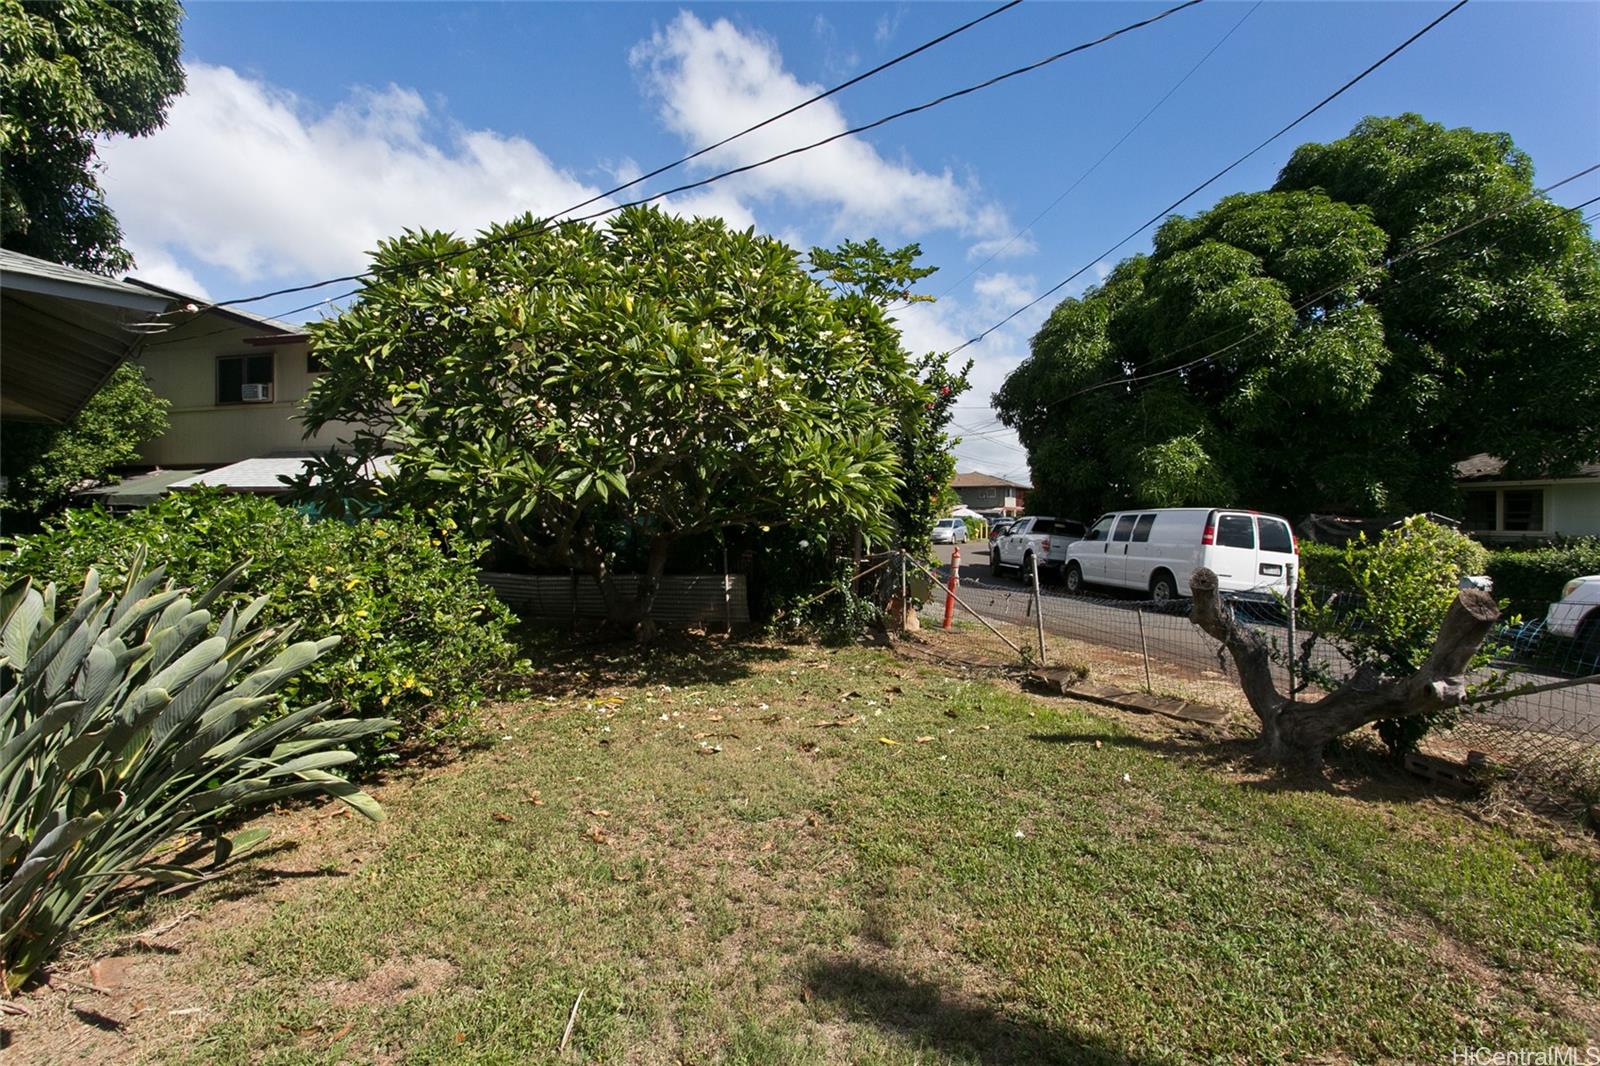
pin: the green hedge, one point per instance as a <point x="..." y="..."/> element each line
<point x="418" y="632"/>
<point x="1532" y="579"/>
<point x="1324" y="567"/>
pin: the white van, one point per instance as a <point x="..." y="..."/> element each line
<point x="1156" y="551"/>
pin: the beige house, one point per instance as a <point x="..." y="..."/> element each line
<point x="985" y="492"/>
<point x="1501" y="509"/>
<point x="235" y="381"/>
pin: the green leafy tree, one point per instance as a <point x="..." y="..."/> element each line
<point x="72" y="71"/>
<point x="870" y="278"/>
<point x="1398" y="590"/>
<point x="656" y="379"/>
<point x="43" y="464"/>
<point x="1322" y="365"/>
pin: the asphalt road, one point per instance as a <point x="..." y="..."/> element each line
<point x="1110" y="617"/>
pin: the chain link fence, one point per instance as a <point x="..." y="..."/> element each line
<point x="1535" y="729"/>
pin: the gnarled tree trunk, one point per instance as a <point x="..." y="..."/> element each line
<point x="1298" y="732"/>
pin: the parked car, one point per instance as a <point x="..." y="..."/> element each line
<point x="1576" y="615"/>
<point x="998" y="528"/>
<point x="1156" y="550"/>
<point x="1035" y="537"/>
<point x="950" y="531"/>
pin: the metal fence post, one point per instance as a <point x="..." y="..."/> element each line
<point x="905" y="601"/>
<point x="1038" y="608"/>
<point x="1294" y="649"/>
<point x="727" y="591"/>
<point x="1144" y="649"/>
<point x="950" y="587"/>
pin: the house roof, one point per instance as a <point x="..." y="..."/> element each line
<point x="271" y="325"/>
<point x="1486" y="467"/>
<point x="65" y="331"/>
<point x="138" y="490"/>
<point x="266" y="474"/>
<point x="976" y="479"/>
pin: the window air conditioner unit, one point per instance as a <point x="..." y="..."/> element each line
<point x="255" y="393"/>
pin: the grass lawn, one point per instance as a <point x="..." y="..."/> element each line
<point x="957" y="873"/>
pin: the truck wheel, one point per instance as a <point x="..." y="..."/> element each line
<point x="994" y="561"/>
<point x="1163" y="587"/>
<point x="1074" y="579"/>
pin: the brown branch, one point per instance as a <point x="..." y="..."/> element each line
<point x="1299" y="732"/>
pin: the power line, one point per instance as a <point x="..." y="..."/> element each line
<point x="1324" y="102"/>
<point x="1096" y="164"/>
<point x="852" y="131"/>
<point x="1136" y="378"/>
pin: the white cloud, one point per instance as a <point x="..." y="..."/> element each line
<point x="1002" y="293"/>
<point x="255" y="181"/>
<point x="156" y="265"/>
<point x="888" y="26"/>
<point x="712" y="80"/>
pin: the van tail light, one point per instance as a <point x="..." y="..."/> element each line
<point x="1210" y="535"/>
<point x="1294" y="542"/>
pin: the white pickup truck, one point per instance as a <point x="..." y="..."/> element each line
<point x="1036" y="537"/>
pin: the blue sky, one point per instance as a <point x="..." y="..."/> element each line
<point x="311" y="130"/>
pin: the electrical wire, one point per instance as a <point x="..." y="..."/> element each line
<point x="538" y="227"/>
<point x="1158" y="216"/>
<point x="1095" y="165"/>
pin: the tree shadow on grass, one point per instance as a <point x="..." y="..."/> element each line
<point x="565" y="664"/>
<point x="952" y="1024"/>
<point x="1352" y="769"/>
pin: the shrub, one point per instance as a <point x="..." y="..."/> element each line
<point x="44" y="463"/>
<point x="1531" y="579"/>
<point x="417" y="631"/>
<point x="132" y="725"/>
<point x="1400" y="588"/>
<point x="1322" y="567"/>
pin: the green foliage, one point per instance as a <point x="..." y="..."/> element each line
<point x="417" y="630"/>
<point x="1531" y="579"/>
<point x="45" y="463"/>
<point x="1386" y="618"/>
<point x="133" y="725"/>
<point x="869" y="277"/>
<point x="1320" y="373"/>
<point x="72" y="71"/>
<point x="836" y="616"/>
<point x="671" y="376"/>
<point x="1322" y="567"/>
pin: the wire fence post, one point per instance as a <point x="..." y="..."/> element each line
<point x="727" y="591"/>
<point x="1294" y="648"/>
<point x="950" y="587"/>
<point x="1144" y="650"/>
<point x="905" y="600"/>
<point x="1038" y="608"/>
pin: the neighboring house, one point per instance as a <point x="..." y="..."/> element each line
<point x="985" y="492"/>
<point x="1501" y="509"/>
<point x="235" y="381"/>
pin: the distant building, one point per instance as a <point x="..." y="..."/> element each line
<point x="990" y="494"/>
<point x="1501" y="509"/>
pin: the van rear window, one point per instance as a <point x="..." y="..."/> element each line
<point x="1275" y="535"/>
<point x="1236" y="531"/>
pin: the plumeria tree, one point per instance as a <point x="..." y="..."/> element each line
<point x="566" y="388"/>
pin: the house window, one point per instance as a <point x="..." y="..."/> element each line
<point x="1524" y="511"/>
<point x="1480" y="514"/>
<point x="234" y="372"/>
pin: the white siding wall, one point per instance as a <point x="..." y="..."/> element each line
<point x="182" y="369"/>
<point x="1573" y="510"/>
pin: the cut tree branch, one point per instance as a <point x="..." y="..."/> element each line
<point x="1298" y="732"/>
